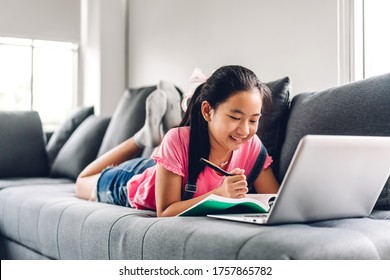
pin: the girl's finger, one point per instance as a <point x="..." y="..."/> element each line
<point x="237" y="171"/>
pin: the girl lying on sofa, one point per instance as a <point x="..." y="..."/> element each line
<point x="220" y="125"/>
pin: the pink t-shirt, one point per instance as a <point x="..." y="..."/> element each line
<point x="173" y="155"/>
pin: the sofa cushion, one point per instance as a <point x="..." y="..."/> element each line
<point x="60" y="136"/>
<point x="22" y="145"/>
<point x="358" y="108"/>
<point x="51" y="221"/>
<point x="273" y="122"/>
<point x="81" y="148"/>
<point x="126" y="120"/>
<point x="27" y="181"/>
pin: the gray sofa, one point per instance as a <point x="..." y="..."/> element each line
<point x="40" y="217"/>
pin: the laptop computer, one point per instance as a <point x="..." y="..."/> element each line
<point x="329" y="177"/>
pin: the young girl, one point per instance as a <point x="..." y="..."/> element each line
<point x="220" y="125"/>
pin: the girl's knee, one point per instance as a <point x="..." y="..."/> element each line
<point x="86" y="188"/>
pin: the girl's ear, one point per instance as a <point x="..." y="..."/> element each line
<point x="206" y="110"/>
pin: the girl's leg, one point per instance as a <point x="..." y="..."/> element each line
<point x="150" y="134"/>
<point x="112" y="184"/>
<point x="86" y="187"/>
<point x="88" y="178"/>
<point x="173" y="114"/>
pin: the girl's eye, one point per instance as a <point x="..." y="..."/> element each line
<point x="253" y="121"/>
<point x="234" y="118"/>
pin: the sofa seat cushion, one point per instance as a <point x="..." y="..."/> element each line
<point x="52" y="222"/>
<point x="17" y="182"/>
<point x="206" y="238"/>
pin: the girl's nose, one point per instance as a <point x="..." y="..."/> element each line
<point x="243" y="128"/>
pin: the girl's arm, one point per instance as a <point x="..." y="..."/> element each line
<point x="266" y="182"/>
<point x="168" y="191"/>
<point x="168" y="194"/>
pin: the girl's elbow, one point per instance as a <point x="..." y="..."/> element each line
<point x="160" y="211"/>
<point x="161" y="214"/>
<point x="165" y="212"/>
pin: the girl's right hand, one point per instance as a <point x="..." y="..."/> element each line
<point x="234" y="186"/>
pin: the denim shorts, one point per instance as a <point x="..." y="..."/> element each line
<point x="112" y="183"/>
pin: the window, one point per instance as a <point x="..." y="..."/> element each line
<point x="38" y="75"/>
<point x="371" y="38"/>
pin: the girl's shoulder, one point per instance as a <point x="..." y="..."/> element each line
<point x="253" y="142"/>
<point x="178" y="135"/>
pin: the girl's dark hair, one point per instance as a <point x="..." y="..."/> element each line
<point x="223" y="83"/>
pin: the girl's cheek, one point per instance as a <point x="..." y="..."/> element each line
<point x="225" y="124"/>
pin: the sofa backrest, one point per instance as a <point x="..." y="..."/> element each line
<point x="22" y="145"/>
<point x="127" y="119"/>
<point x="358" y="108"/>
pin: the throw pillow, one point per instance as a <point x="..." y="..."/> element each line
<point x="22" y="145"/>
<point x="358" y="108"/>
<point x="81" y="148"/>
<point x="127" y="119"/>
<point x="273" y="122"/>
<point x="60" y="136"/>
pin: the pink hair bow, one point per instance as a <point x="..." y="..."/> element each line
<point x="197" y="78"/>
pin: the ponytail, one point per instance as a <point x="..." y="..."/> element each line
<point x="199" y="145"/>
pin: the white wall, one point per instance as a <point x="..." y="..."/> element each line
<point x="103" y="54"/>
<point x="278" y="38"/>
<point x="168" y="38"/>
<point x="41" y="19"/>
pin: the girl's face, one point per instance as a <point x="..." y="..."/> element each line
<point x="233" y="122"/>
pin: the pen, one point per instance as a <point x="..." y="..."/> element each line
<point x="216" y="168"/>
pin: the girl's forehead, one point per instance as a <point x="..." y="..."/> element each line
<point x="246" y="99"/>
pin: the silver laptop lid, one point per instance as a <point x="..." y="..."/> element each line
<point x="332" y="177"/>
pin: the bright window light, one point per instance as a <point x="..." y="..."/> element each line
<point x="372" y="40"/>
<point x="15" y="77"/>
<point x="38" y="75"/>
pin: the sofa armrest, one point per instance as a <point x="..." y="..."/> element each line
<point x="22" y="145"/>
